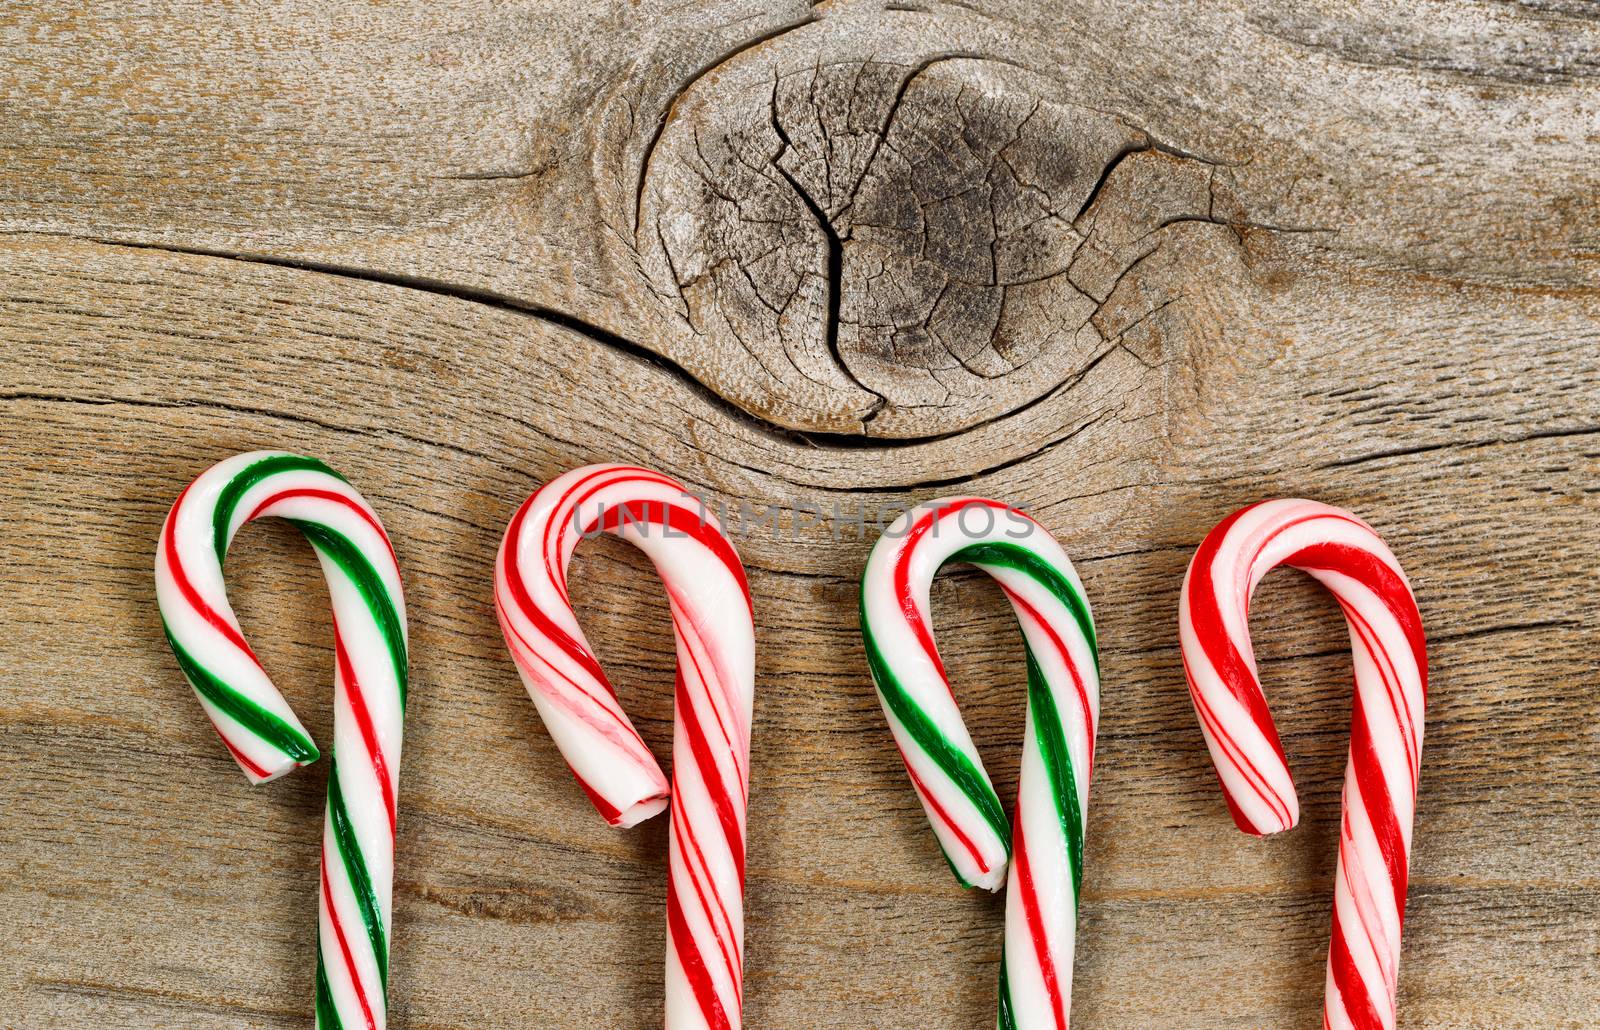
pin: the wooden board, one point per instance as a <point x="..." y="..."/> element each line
<point x="1128" y="266"/>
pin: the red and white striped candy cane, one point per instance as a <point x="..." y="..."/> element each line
<point x="714" y="628"/>
<point x="256" y="723"/>
<point x="1391" y="680"/>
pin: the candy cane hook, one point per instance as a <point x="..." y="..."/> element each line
<point x="713" y="626"/>
<point x="256" y="723"/>
<point x="1391" y="684"/>
<point x="1058" y="750"/>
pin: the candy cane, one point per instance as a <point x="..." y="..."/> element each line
<point x="1058" y="749"/>
<point x="257" y="725"/>
<point x="1391" y="677"/>
<point x="713" y="625"/>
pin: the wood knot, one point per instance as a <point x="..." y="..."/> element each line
<point x="885" y="248"/>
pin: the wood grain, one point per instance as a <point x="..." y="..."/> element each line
<point x="1127" y="266"/>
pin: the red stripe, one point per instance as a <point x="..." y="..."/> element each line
<point x="676" y="519"/>
<point x="609" y="812"/>
<point x="1376" y="574"/>
<point x="186" y="588"/>
<point x="685" y="832"/>
<point x="1391" y="590"/>
<point x="694" y="967"/>
<point x="1036" y="928"/>
<point x="940" y="814"/>
<point x="239" y="756"/>
<point x="1023" y="606"/>
<point x="1217" y="644"/>
<point x="530" y="651"/>
<point x="565" y="510"/>
<point x="1372" y="933"/>
<point x="1381" y="578"/>
<point x="1394" y="691"/>
<point x="716" y="788"/>
<point x="525" y="603"/>
<point x="1239" y="760"/>
<point x="902" y="579"/>
<point x="684" y="627"/>
<point x="554" y="525"/>
<point x="1347" y="981"/>
<point x="1374" y="789"/>
<point x="344" y="945"/>
<point x="326" y="495"/>
<point x="363" y="717"/>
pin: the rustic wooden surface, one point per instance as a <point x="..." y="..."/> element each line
<point x="1127" y="265"/>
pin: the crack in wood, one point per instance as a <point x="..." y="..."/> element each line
<point x="503" y="302"/>
<point x="897" y="318"/>
<point x="672" y="102"/>
<point x="166" y="999"/>
<point x="1458" y="445"/>
<point x="833" y="276"/>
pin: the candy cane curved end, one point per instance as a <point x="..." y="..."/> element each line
<point x="1391" y="681"/>
<point x="256" y="723"/>
<point x="714" y="632"/>
<point x="1044" y="851"/>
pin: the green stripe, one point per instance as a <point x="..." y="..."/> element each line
<point x="339" y="549"/>
<point x="248" y="477"/>
<point x="255" y="719"/>
<point x="355" y="867"/>
<point x="1047" y="723"/>
<point x="934" y="743"/>
<point x="327" y="1012"/>
<point x="1046" y="717"/>
<point x="1048" y="730"/>
<point x="1007" y="1018"/>
<point x="1020" y="559"/>
<point x="1052" y="741"/>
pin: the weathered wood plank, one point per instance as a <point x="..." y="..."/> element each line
<point x="153" y="887"/>
<point x="847" y="217"/>
<point x="1126" y="265"/>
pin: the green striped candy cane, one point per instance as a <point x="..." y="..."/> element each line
<point x="1044" y="844"/>
<point x="256" y="724"/>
